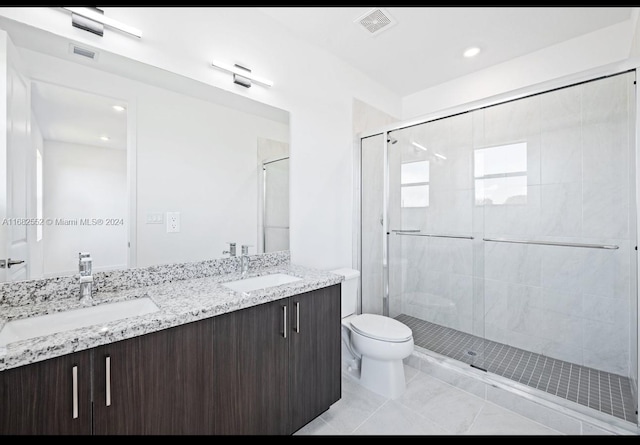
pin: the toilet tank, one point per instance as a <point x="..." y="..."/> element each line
<point x="349" y="290"/>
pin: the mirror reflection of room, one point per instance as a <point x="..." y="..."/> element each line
<point x="81" y="140"/>
<point x="135" y="165"/>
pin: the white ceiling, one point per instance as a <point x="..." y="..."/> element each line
<point x="424" y="48"/>
<point x="76" y="117"/>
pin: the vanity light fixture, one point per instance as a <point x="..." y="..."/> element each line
<point x="91" y="19"/>
<point x="104" y="138"/>
<point x="118" y="108"/>
<point x="241" y="75"/>
<point x="471" y="52"/>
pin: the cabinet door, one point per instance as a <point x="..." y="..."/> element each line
<point x="315" y="354"/>
<point x="157" y="383"/>
<point x="48" y="397"/>
<point x="250" y="365"/>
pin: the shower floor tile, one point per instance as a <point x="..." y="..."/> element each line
<point x="603" y="391"/>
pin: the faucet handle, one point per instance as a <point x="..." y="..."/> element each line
<point x="232" y="249"/>
<point x="85" y="266"/>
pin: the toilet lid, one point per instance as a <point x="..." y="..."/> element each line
<point x="381" y="328"/>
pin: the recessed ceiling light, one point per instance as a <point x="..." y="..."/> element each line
<point x="118" y="108"/>
<point x="471" y="52"/>
<point x="104" y="138"/>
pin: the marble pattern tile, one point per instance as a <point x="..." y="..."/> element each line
<point x="562" y="268"/>
<point x="561" y="209"/>
<point x="494" y="420"/>
<point x="356" y="405"/>
<point x="561" y="155"/>
<point x="515" y="263"/>
<point x="448" y="407"/>
<point x="605" y="346"/>
<point x="395" y="419"/>
<point x="605" y="208"/>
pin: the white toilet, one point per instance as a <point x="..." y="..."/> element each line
<point x="377" y="342"/>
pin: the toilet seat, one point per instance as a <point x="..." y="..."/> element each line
<point x="379" y="327"/>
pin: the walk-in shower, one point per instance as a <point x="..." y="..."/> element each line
<point x="504" y="236"/>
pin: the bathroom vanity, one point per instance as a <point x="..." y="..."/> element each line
<point x="211" y="360"/>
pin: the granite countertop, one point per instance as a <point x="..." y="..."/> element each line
<point x="179" y="302"/>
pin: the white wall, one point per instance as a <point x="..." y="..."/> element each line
<point x="199" y="159"/>
<point x="36" y="248"/>
<point x="316" y="87"/>
<point x="83" y="181"/>
<point x="602" y="47"/>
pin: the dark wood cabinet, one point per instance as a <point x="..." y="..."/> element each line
<point x="157" y="383"/>
<point x="315" y="372"/>
<point x="266" y="369"/>
<point x="277" y="365"/>
<point x="48" y="397"/>
<point x="251" y="365"/>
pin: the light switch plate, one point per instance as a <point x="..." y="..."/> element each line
<point x="173" y="222"/>
<point x="155" y="218"/>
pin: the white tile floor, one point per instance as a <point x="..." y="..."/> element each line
<point x="428" y="407"/>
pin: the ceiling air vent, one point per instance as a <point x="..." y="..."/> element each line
<point x="83" y="52"/>
<point x="375" y="21"/>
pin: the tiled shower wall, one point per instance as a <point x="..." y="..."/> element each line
<point x="569" y="303"/>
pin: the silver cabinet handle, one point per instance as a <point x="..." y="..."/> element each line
<point x="298" y="317"/>
<point x="74" y="373"/>
<point x="108" y="380"/>
<point x="284" y="318"/>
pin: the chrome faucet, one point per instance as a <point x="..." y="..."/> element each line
<point x="244" y="260"/>
<point x="231" y="251"/>
<point x="86" y="278"/>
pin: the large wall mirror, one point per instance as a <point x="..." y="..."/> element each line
<point x="133" y="164"/>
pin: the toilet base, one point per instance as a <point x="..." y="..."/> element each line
<point x="383" y="377"/>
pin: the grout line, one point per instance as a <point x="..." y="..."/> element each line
<point x="449" y="341"/>
<point x="369" y="416"/>
<point x="476" y="416"/>
<point x="624" y="411"/>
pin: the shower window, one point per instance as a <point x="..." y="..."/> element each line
<point x="414" y="183"/>
<point x="501" y="174"/>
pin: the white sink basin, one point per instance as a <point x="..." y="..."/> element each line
<point x="32" y="327"/>
<point x="261" y="282"/>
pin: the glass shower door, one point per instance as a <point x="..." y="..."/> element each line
<point x="431" y="238"/>
<point x="554" y="182"/>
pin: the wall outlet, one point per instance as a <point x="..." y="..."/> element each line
<point x="155" y="218"/>
<point x="173" y="222"/>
